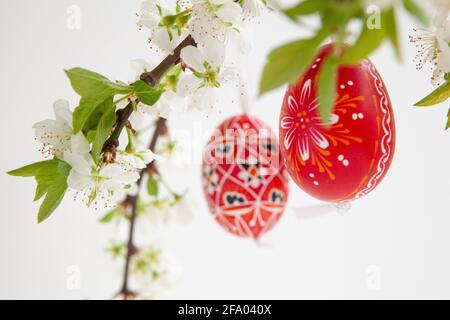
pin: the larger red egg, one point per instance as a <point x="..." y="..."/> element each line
<point x="244" y="179"/>
<point x="349" y="157"/>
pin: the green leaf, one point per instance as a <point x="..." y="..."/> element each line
<point x="109" y="216"/>
<point x="440" y="95"/>
<point x="116" y="212"/>
<point x="51" y="177"/>
<point x="286" y="63"/>
<point x="90" y="135"/>
<point x="390" y="25"/>
<point x="83" y="112"/>
<point x="57" y="187"/>
<point x="92" y="122"/>
<point x="41" y="190"/>
<point x="416" y="11"/>
<point x="92" y="85"/>
<point x="327" y="87"/>
<point x="306" y="7"/>
<point x="448" y="120"/>
<point x="88" y="114"/>
<point x="102" y="132"/>
<point x="152" y="186"/>
<point x="36" y="169"/>
<point x="94" y="90"/>
<point x="53" y="198"/>
<point x="145" y="93"/>
<point x="368" y="41"/>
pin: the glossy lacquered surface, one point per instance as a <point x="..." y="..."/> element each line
<point x="347" y="158"/>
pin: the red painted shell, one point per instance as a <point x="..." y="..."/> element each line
<point x="348" y="159"/>
<point x="244" y="180"/>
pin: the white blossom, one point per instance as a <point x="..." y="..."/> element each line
<point x="137" y="159"/>
<point x="120" y="194"/>
<point x="156" y="214"/>
<point x="207" y="74"/>
<point x="97" y="182"/>
<point x="243" y="40"/>
<point x="140" y="66"/>
<point x="214" y="18"/>
<point x="442" y="11"/>
<point x="163" y="35"/>
<point x="55" y="134"/>
<point x="79" y="144"/>
<point x="182" y="210"/>
<point x="169" y="101"/>
<point x="433" y="48"/>
<point x="156" y="272"/>
<point x="253" y="8"/>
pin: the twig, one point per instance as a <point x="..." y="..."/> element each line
<point x="110" y="146"/>
<point x="132" y="201"/>
<point x="151" y="78"/>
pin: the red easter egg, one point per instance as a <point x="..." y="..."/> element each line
<point x="244" y="180"/>
<point x="348" y="158"/>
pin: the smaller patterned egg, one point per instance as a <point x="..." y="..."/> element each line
<point x="244" y="180"/>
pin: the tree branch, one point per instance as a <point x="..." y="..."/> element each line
<point x="110" y="146"/>
<point x="151" y="78"/>
<point x="132" y="201"/>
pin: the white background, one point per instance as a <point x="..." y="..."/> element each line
<point x="398" y="236"/>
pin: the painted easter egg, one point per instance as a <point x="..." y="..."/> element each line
<point x="244" y="180"/>
<point x="348" y="158"/>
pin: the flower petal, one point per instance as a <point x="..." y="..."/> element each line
<point x="78" y="181"/>
<point x="193" y="57"/>
<point x="161" y="38"/>
<point x="229" y="74"/>
<point x="113" y="170"/>
<point x="117" y="175"/>
<point x="164" y="109"/>
<point x="442" y="12"/>
<point x="188" y="84"/>
<point x="204" y="99"/>
<point x="150" y="6"/>
<point x="148" y="156"/>
<point x="79" y="144"/>
<point x="62" y="112"/>
<point x="140" y="66"/>
<point x="214" y="51"/>
<point x="54" y="133"/>
<point x="229" y="11"/>
<point x="83" y="164"/>
<point x="148" y="20"/>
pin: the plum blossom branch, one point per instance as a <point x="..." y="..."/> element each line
<point x="84" y="143"/>
<point x="131" y="201"/>
<point x="123" y="115"/>
<point x="151" y="78"/>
